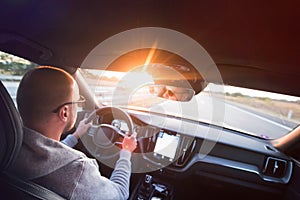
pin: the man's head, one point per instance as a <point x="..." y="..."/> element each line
<point x="44" y="90"/>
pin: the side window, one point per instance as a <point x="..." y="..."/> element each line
<point x="12" y="69"/>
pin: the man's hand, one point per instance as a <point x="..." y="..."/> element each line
<point x="129" y="143"/>
<point x="82" y="128"/>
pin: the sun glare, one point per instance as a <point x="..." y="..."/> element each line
<point x="149" y="57"/>
<point x="135" y="80"/>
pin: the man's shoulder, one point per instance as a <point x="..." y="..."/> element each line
<point x="40" y="156"/>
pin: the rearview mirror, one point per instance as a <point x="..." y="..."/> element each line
<point x="171" y="92"/>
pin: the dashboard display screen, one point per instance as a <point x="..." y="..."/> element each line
<point x="166" y="145"/>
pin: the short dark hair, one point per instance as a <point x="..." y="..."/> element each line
<point x="41" y="90"/>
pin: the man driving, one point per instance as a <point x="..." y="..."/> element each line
<point x="47" y="100"/>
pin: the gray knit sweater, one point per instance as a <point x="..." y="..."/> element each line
<point x="69" y="172"/>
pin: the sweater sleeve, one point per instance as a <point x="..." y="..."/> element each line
<point x="91" y="184"/>
<point x="70" y="141"/>
<point x="122" y="172"/>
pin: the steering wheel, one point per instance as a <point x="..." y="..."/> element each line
<point x="101" y="139"/>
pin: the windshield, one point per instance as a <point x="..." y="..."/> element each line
<point x="262" y="114"/>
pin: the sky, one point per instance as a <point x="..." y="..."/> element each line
<point x="13" y="58"/>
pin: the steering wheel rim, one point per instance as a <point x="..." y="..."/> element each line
<point x="105" y="151"/>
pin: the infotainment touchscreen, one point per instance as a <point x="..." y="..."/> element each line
<point x="166" y="145"/>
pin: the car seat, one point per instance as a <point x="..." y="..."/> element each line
<point x="11" y="135"/>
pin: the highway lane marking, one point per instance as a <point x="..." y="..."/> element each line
<point x="260" y="117"/>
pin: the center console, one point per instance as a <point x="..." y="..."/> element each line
<point x="151" y="188"/>
<point x="161" y="149"/>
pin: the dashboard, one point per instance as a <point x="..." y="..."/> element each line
<point x="182" y="152"/>
<point x="230" y="158"/>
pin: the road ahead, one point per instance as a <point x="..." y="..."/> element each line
<point x="233" y="116"/>
<point x="260" y="124"/>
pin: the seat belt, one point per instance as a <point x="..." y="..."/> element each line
<point x="30" y="188"/>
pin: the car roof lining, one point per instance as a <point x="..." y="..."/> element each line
<point x="258" y="38"/>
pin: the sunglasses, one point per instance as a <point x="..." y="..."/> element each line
<point x="79" y="102"/>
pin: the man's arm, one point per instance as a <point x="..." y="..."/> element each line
<point x="72" y="140"/>
<point x="122" y="172"/>
<point x="94" y="186"/>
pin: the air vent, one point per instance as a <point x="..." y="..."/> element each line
<point x="187" y="147"/>
<point x="275" y="167"/>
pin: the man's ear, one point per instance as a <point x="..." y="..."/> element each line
<point x="64" y="113"/>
